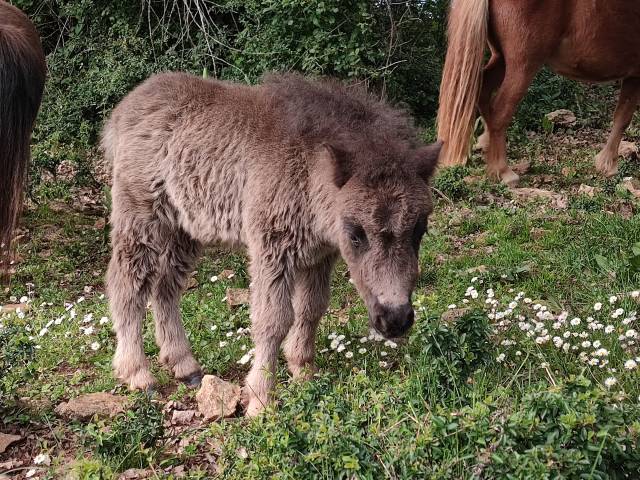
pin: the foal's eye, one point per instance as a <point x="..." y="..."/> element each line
<point x="357" y="236"/>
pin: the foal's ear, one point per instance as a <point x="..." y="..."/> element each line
<point x="340" y="163"/>
<point x="425" y="160"/>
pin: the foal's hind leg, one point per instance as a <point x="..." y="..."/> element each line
<point x="129" y="279"/>
<point x="175" y="265"/>
<point x="498" y="113"/>
<point x="607" y="159"/>
<point x="310" y="301"/>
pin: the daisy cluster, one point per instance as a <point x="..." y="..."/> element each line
<point x="606" y="338"/>
<point x="352" y="348"/>
<point x="72" y="321"/>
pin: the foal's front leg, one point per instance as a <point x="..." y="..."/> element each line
<point x="271" y="318"/>
<point x="310" y="301"/>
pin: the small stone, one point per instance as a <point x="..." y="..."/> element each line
<point x="182" y="417"/>
<point x="217" y="398"/>
<point x="242" y="453"/>
<point x="7" y="439"/>
<point x="562" y="117"/>
<point x="237" y="296"/>
<point x="85" y="407"/>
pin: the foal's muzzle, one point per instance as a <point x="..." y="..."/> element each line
<point x="392" y="321"/>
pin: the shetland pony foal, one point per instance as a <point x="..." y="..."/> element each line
<point x="591" y="41"/>
<point x="295" y="171"/>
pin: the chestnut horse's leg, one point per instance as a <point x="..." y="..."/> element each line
<point x="607" y="159"/>
<point x="498" y="115"/>
<point x="174" y="266"/>
<point x="492" y="78"/>
<point x="271" y="318"/>
<point x="310" y="301"/>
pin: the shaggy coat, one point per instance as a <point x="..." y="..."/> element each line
<point x="22" y="77"/>
<point x="587" y="40"/>
<point x="295" y="171"/>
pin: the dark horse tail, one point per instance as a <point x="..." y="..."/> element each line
<point x="22" y="77"/>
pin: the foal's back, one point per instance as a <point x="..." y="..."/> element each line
<point x="179" y="146"/>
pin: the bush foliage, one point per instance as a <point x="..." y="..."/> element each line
<point x="98" y="50"/>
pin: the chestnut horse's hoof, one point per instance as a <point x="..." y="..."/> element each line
<point x="606" y="165"/>
<point x="510" y="178"/>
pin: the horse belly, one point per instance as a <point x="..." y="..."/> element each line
<point x="592" y="65"/>
<point x="602" y="42"/>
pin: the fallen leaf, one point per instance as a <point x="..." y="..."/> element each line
<point x="627" y="149"/>
<point x="632" y="186"/>
<point x="588" y="190"/>
<point x="7" y="439"/>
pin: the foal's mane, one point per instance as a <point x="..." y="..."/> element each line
<point x="313" y="111"/>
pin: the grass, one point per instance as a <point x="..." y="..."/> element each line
<point x="463" y="397"/>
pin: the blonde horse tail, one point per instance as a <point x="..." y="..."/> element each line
<point x="462" y="78"/>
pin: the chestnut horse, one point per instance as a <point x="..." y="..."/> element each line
<point x="590" y="41"/>
<point x="22" y="77"/>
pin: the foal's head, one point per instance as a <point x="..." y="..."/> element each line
<point x="383" y="205"/>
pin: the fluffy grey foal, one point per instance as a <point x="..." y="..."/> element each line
<point x="295" y="171"/>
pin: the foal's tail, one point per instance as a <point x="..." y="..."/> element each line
<point x="462" y="78"/>
<point x="22" y="77"/>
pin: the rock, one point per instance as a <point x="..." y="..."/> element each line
<point x="193" y="283"/>
<point x="183" y="417"/>
<point x="237" y="296"/>
<point x="557" y="200"/>
<point x="453" y="314"/>
<point x="632" y="186"/>
<point x="562" y="117"/>
<point x="217" y="398"/>
<point x="7" y="439"/>
<point x="13" y="307"/>
<point x="85" y="407"/>
<point x="627" y="149"/>
<point x="588" y="190"/>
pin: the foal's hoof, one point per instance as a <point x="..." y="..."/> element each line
<point x="193" y="381"/>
